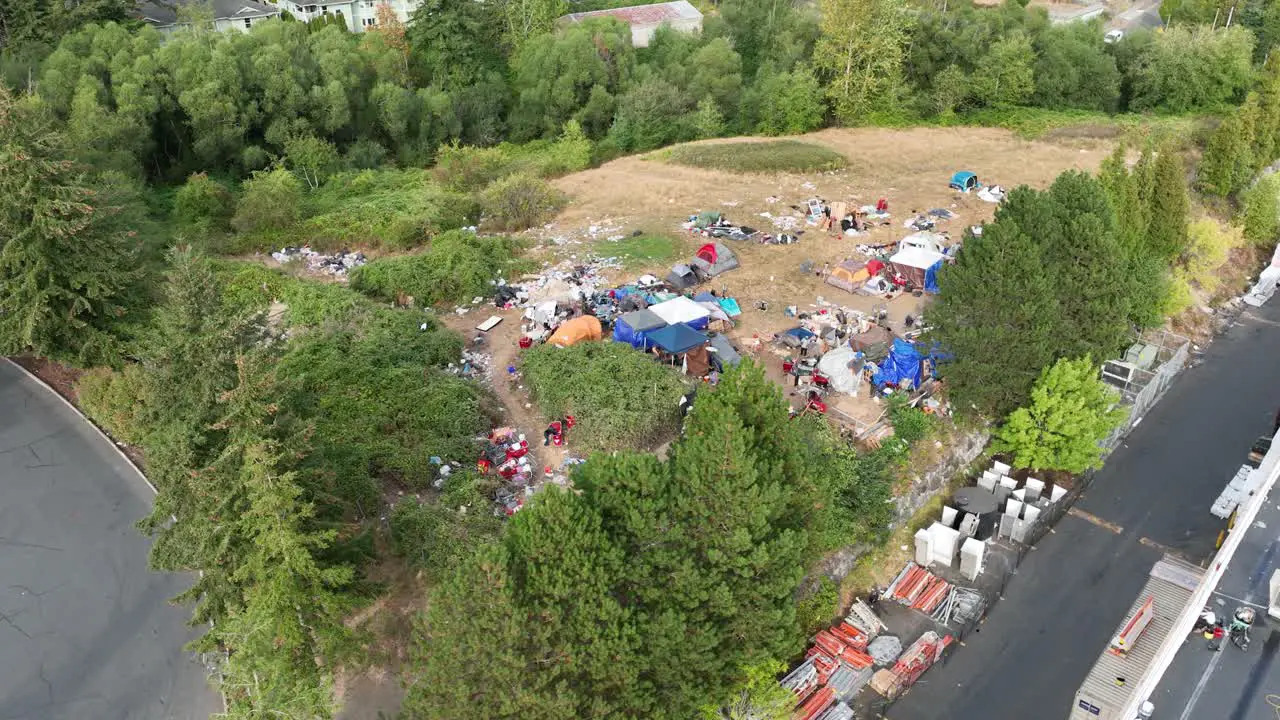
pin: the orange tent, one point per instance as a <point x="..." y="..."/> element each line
<point x="572" y="332"/>
<point x="849" y="275"/>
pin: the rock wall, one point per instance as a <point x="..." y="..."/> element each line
<point x="963" y="450"/>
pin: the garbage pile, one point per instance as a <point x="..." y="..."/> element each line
<point x="337" y="264"/>
<point x="836" y="667"/>
<point x="506" y="453"/>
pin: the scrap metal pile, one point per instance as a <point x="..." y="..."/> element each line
<point x="919" y="589"/>
<point x="922" y="654"/>
<point x="836" y="667"/>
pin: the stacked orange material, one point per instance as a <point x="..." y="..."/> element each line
<point x="850" y="635"/>
<point x="815" y="705"/>
<point x="932" y="593"/>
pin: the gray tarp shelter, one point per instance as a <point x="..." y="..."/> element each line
<point x="682" y="277"/>
<point x="725" y="355"/>
<point x="715" y="258"/>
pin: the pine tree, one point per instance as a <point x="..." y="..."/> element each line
<point x="1089" y="267"/>
<point x="998" y="312"/>
<point x="65" y="267"/>
<point x="1071" y="411"/>
<point x="1169" y="206"/>
<point x="1227" y="150"/>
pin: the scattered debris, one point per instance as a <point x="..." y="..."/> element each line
<point x="337" y="264"/>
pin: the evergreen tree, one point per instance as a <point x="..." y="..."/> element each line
<point x="1227" y="150"/>
<point x="1169" y="206"/>
<point x="1089" y="267"/>
<point x="998" y="311"/>
<point x="65" y="265"/>
<point x="1070" y="413"/>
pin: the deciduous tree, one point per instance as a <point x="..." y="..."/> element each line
<point x="1070" y="412"/>
<point x="861" y="52"/>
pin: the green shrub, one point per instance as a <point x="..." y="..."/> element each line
<point x="435" y="536"/>
<point x="387" y="208"/>
<point x="1262" y="210"/>
<point x="910" y="425"/>
<point x="817" y="609"/>
<point x="457" y="267"/>
<point x="519" y="202"/>
<point x="204" y="202"/>
<point x="620" y="397"/>
<point x="271" y="202"/>
<point x="249" y="286"/>
<point x="376" y="414"/>
<point x="466" y="169"/>
<point x="114" y="400"/>
<point x="758" y="157"/>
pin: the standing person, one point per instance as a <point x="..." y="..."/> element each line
<point x="1217" y="635"/>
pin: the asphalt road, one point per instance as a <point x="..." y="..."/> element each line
<point x="86" y="630"/>
<point x="1154" y="494"/>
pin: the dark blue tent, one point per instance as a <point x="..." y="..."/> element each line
<point x="676" y="338"/>
<point x="630" y="328"/>
<point x="903" y="363"/>
<point x="964" y="181"/>
<point x="931" y="277"/>
<point x="705" y="296"/>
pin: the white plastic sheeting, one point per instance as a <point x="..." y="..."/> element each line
<point x="679" y="310"/>
<point x="835" y="365"/>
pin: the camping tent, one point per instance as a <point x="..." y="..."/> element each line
<point x="924" y="240"/>
<point x="572" y="332"/>
<point x="850" y="274"/>
<point x="675" y="338"/>
<point x="697" y="361"/>
<point x="630" y="328"/>
<point x="715" y="258"/>
<point x="724" y="355"/>
<point x="903" y="363"/>
<point x="842" y="369"/>
<point x="682" y="310"/>
<point x="918" y="266"/>
<point x="682" y="277"/>
<point x="964" y="181"/>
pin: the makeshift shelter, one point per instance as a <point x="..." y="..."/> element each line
<point x="630" y="328"/>
<point x="697" y="361"/>
<point x="920" y="267"/>
<point x="850" y="275"/>
<point x="964" y="181"/>
<point x="874" y="343"/>
<point x="923" y="240"/>
<point x="572" y="332"/>
<point x="730" y="307"/>
<point x="903" y="363"/>
<point x="706" y="219"/>
<point x="682" y="277"/>
<point x="675" y="339"/>
<point x="715" y="258"/>
<point x="682" y="310"/>
<point x="842" y="367"/>
<point x="723" y="354"/>
<point x="795" y="336"/>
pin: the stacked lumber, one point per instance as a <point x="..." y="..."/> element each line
<point x="919" y="589"/>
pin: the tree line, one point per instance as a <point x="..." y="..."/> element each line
<point x="480" y="73"/>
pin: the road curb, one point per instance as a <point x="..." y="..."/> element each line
<point x="101" y="433"/>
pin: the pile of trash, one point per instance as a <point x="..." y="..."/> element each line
<point x="336" y="264"/>
<point x="922" y="654"/>
<point x="473" y="365"/>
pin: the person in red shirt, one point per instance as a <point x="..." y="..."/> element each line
<point x="1219" y="632"/>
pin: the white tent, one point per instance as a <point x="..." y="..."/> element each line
<point x="838" y="367"/>
<point x="918" y="258"/>
<point x="680" y="310"/>
<point x="923" y="240"/>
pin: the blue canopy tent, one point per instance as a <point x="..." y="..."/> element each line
<point x="903" y="363"/>
<point x="630" y="328"/>
<point x="964" y="181"/>
<point x="676" y="338"/>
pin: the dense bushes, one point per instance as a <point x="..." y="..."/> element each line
<point x="774" y="156"/>
<point x="395" y="209"/>
<point x="620" y="397"/>
<point x="271" y="202"/>
<point x="436" y="536"/>
<point x="458" y="266"/>
<point x="520" y="202"/>
<point x="203" y="202"/>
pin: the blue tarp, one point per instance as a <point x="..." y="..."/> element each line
<point x="965" y="180"/>
<point x="630" y="328"/>
<point x="676" y="338"/>
<point x="730" y="307"/>
<point x="903" y="363"/>
<point x="705" y="296"/>
<point x="931" y="277"/>
<point x="799" y="333"/>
